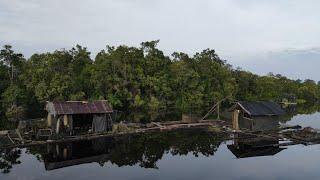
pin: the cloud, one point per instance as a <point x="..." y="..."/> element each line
<point x="294" y="63"/>
<point x="235" y="28"/>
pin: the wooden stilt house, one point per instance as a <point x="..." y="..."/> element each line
<point x="72" y="116"/>
<point x="260" y="115"/>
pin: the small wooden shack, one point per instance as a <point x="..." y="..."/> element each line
<point x="72" y="116"/>
<point x="261" y="115"/>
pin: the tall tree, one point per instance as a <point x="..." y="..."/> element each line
<point x="12" y="60"/>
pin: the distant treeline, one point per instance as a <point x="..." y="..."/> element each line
<point x="135" y="79"/>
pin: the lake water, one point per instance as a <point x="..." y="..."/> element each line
<point x="306" y="120"/>
<point x="188" y="154"/>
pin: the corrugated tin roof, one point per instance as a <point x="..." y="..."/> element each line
<point x="78" y="107"/>
<point x="261" y="108"/>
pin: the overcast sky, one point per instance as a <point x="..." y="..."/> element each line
<point x="280" y="36"/>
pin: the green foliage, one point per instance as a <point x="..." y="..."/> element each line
<point x="140" y="81"/>
<point x="13" y="95"/>
<point x="15" y="113"/>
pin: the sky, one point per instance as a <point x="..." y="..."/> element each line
<point x="279" y="36"/>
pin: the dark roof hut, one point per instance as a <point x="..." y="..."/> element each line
<point x="71" y="116"/>
<point x="260" y="108"/>
<point x="261" y="115"/>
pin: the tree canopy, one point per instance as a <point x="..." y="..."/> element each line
<point x="136" y="79"/>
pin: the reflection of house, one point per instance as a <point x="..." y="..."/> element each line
<point x="252" y="147"/>
<point x="71" y="116"/>
<point x="262" y="115"/>
<point x="76" y="153"/>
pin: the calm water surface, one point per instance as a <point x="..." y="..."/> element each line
<point x="306" y="120"/>
<point x="191" y="154"/>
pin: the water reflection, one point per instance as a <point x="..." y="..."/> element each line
<point x="69" y="154"/>
<point x="294" y="110"/>
<point x="9" y="158"/>
<point x="143" y="150"/>
<point x="203" y="152"/>
<point x="146" y="150"/>
<point x="245" y="146"/>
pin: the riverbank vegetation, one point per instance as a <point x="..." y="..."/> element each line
<point x="135" y="79"/>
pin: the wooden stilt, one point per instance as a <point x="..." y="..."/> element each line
<point x="235" y="119"/>
<point x="49" y="120"/>
<point x="58" y="126"/>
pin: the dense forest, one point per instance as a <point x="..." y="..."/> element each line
<point x="135" y="79"/>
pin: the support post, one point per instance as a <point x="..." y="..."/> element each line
<point x="71" y="124"/>
<point x="58" y="126"/>
<point x="65" y="120"/>
<point x="235" y="119"/>
<point x="49" y="120"/>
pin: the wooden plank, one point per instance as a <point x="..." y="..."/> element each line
<point x="4" y="133"/>
<point x="157" y="124"/>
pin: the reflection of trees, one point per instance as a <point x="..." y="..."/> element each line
<point x="8" y="158"/>
<point x="198" y="143"/>
<point x="144" y="150"/>
<point x="307" y="108"/>
<point x="293" y="110"/>
<point x="147" y="149"/>
<point x="140" y="149"/>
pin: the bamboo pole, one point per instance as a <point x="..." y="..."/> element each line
<point x="213" y="108"/>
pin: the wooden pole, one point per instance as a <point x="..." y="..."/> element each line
<point x="49" y="120"/>
<point x="213" y="108"/>
<point x="235" y="119"/>
<point x="58" y="126"/>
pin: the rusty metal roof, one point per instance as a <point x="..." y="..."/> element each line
<point x="78" y="107"/>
